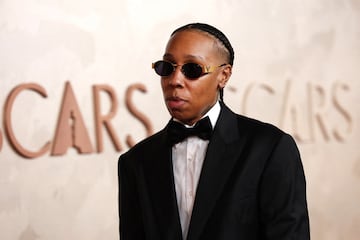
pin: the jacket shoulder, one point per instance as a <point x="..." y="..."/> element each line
<point x="250" y="126"/>
<point x="146" y="146"/>
<point x="258" y="127"/>
<point x="265" y="134"/>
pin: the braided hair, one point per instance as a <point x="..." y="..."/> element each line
<point x="217" y="34"/>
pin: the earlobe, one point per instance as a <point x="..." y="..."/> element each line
<point x="225" y="76"/>
<point x="222" y="84"/>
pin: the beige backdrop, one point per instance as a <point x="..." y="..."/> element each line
<point x="297" y="65"/>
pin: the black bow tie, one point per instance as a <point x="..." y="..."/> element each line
<point x="177" y="132"/>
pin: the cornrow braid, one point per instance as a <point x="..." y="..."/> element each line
<point x="218" y="35"/>
<point x="213" y="32"/>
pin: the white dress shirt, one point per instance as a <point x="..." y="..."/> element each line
<point x="188" y="157"/>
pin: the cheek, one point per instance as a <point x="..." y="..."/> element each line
<point x="206" y="92"/>
<point x="163" y="85"/>
<point x="208" y="88"/>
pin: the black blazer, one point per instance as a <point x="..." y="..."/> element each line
<point x="251" y="187"/>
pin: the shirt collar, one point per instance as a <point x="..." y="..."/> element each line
<point x="213" y="114"/>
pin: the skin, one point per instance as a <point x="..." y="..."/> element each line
<point x="189" y="100"/>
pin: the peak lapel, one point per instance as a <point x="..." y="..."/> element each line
<point x="160" y="181"/>
<point x="222" y="154"/>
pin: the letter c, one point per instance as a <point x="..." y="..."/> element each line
<point x="8" y="123"/>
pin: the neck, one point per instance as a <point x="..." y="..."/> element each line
<point x="213" y="113"/>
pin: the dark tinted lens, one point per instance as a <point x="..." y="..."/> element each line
<point x="192" y="70"/>
<point x="163" y="68"/>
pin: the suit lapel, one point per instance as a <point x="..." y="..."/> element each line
<point x="223" y="151"/>
<point x="160" y="181"/>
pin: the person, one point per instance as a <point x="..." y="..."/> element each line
<point x="210" y="173"/>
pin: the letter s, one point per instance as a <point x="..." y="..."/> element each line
<point x="341" y="110"/>
<point x="135" y="112"/>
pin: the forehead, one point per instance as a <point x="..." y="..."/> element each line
<point x="191" y="43"/>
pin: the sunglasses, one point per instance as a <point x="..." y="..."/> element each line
<point x="190" y="70"/>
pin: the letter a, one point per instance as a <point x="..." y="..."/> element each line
<point x="70" y="130"/>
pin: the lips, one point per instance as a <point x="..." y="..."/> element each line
<point x="175" y="102"/>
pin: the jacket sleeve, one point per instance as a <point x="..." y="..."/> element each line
<point x="131" y="224"/>
<point x="283" y="206"/>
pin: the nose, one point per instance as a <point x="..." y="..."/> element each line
<point x="176" y="79"/>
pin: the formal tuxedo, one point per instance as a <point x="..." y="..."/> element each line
<point x="251" y="186"/>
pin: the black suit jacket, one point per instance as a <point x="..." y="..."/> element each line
<point x="251" y="187"/>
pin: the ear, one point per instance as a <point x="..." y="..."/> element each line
<point x="225" y="75"/>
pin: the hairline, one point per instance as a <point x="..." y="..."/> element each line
<point x="218" y="45"/>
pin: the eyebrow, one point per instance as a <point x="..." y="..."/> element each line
<point x="188" y="56"/>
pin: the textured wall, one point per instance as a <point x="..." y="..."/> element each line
<point x="297" y="65"/>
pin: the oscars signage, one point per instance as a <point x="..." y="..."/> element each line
<point x="71" y="131"/>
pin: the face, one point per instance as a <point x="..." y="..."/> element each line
<point x="189" y="99"/>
